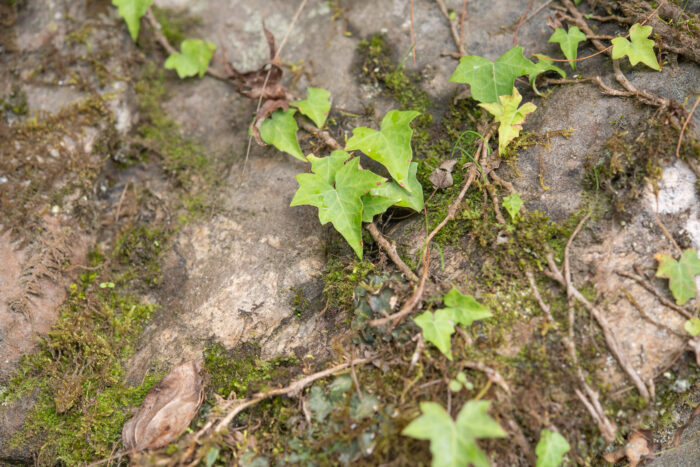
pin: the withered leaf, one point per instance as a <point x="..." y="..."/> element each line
<point x="167" y="409"/>
<point x="637" y="447"/>
<point x="442" y="176"/>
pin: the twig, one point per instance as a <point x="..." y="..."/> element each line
<point x="606" y="427"/>
<point x="685" y="124"/>
<point x="354" y="377"/>
<point x="555" y="274"/>
<point x="292" y="390"/>
<point x="121" y="200"/>
<point x="665" y="231"/>
<point x="539" y="8"/>
<point x="492" y="375"/>
<point x="648" y="318"/>
<point x="494" y="198"/>
<point x="390" y="249"/>
<point x="453" y="29"/>
<point x="520" y="22"/>
<point x="505" y="184"/>
<point x="412" y="302"/>
<point x="641" y="280"/>
<point x="567" y="267"/>
<point x="538" y="297"/>
<point x="324" y="136"/>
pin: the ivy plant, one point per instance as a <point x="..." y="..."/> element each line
<point x="681" y="274"/>
<point x="453" y="442"/>
<point x="550" y="449"/>
<point x="512" y="203"/>
<point x="439" y="326"/>
<point x="132" y="11"/>
<point x="639" y="49"/>
<point x="280" y="130"/>
<point x="568" y="42"/>
<point x="510" y="116"/>
<point x="316" y="105"/>
<point x="193" y="58"/>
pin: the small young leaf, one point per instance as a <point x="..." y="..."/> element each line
<point x="640" y="49"/>
<point x="455" y="386"/>
<point x="316" y="105"/>
<point x="509" y="116"/>
<point x="544" y="64"/>
<point x="132" y="11"/>
<point x="550" y="449"/>
<point x="212" y="456"/>
<point x="280" y="130"/>
<point x="437" y="329"/>
<point x="513" y="203"/>
<point x="692" y="326"/>
<point x="453" y="444"/>
<point x="463" y="309"/>
<point x="341" y="204"/>
<point x="489" y="80"/>
<point x="193" y="59"/>
<point x="568" y="41"/>
<point x="390" y="146"/>
<point x="680" y="274"/>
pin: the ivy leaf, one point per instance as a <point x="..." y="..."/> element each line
<point x="692" y="326"/>
<point x="509" y="116"/>
<point x="453" y="444"/>
<point x="280" y="130"/>
<point x="132" y="11"/>
<point x="390" y="146"/>
<point x="463" y="309"/>
<point x="550" y="449"/>
<point x="327" y="167"/>
<point x="489" y="80"/>
<point x="680" y="274"/>
<point x="544" y="64"/>
<point x="390" y="194"/>
<point x="640" y="49"/>
<point x="438" y="329"/>
<point x="193" y="60"/>
<point x="568" y="41"/>
<point x="341" y="204"/>
<point x="316" y="105"/>
<point x="513" y="203"/>
<point x="319" y="404"/>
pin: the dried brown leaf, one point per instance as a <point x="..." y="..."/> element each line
<point x="637" y="447"/>
<point x="442" y="176"/>
<point x="167" y="409"/>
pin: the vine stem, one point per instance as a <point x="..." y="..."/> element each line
<point x="390" y="249"/>
<point x="685" y="124"/>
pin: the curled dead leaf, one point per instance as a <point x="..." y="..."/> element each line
<point x="167" y="409"/>
<point x="442" y="176"/>
<point x="637" y="447"/>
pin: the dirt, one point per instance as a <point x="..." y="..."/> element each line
<point x="240" y="269"/>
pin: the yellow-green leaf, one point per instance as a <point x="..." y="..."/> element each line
<point x="280" y="130"/>
<point x="681" y="274"/>
<point x="550" y="449"/>
<point x="193" y="59"/>
<point x="463" y="309"/>
<point x="513" y="203"/>
<point x="437" y="329"/>
<point x="316" y="105"/>
<point x="692" y="326"/>
<point x="510" y="117"/>
<point x="453" y="443"/>
<point x="640" y="49"/>
<point x="132" y="11"/>
<point x="568" y="42"/>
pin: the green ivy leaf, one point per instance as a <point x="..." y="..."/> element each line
<point x="390" y="194"/>
<point x="680" y="274"/>
<point x="489" y="80"/>
<point x="692" y="326"/>
<point x="568" y="41"/>
<point x="453" y="444"/>
<point x="463" y="309"/>
<point x="513" y="203"/>
<point x="280" y="130"/>
<point x="390" y="146"/>
<point x="509" y="116"/>
<point x="544" y="64"/>
<point x="193" y="60"/>
<point x="550" y="449"/>
<point x="316" y="105"/>
<point x="132" y="11"/>
<point x="640" y="49"/>
<point x="338" y="202"/>
<point x="438" y="329"/>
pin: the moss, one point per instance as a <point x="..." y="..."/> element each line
<point x="241" y="371"/>
<point x="175" y="24"/>
<point x="14" y="103"/>
<point x="139" y="248"/>
<point x="342" y="274"/>
<point x="78" y="375"/>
